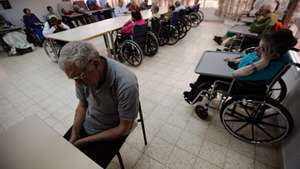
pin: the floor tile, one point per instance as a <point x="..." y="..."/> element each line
<point x="181" y="159"/>
<point x="213" y="153"/>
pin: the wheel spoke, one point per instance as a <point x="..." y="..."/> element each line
<point x="235" y="120"/>
<point x="270" y="115"/>
<point x="241" y="127"/>
<point x="272" y="125"/>
<point x="233" y="115"/>
<point x="264" y="131"/>
<point x="239" y="114"/>
<point x="252" y="131"/>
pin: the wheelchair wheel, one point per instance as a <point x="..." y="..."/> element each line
<point x="151" y="46"/>
<point x="201" y="112"/>
<point x="181" y="29"/>
<point x="195" y="19"/>
<point x="173" y="35"/>
<point x="278" y="91"/>
<point x="187" y="22"/>
<point x="163" y="37"/>
<point x="131" y="53"/>
<point x="201" y="14"/>
<point x="256" y="119"/>
<point x="51" y="50"/>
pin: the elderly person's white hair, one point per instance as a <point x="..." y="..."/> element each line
<point x="78" y="52"/>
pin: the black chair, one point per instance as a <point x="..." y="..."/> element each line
<point x="140" y="120"/>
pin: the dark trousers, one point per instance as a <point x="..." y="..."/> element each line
<point x="100" y="152"/>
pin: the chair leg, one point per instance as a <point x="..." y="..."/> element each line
<point x="120" y="160"/>
<point x="142" y="122"/>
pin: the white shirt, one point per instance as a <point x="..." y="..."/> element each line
<point x="179" y="8"/>
<point x="120" y="11"/>
<point x="47" y="30"/>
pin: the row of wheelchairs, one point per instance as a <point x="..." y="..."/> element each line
<point x="145" y="39"/>
<point x="255" y="117"/>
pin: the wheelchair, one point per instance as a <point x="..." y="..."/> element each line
<point x="195" y="14"/>
<point x="179" y="25"/>
<point x="33" y="38"/>
<point x="253" y="116"/>
<point x="156" y="28"/>
<point x="131" y="48"/>
<point x="183" y="17"/>
<point x="52" y="48"/>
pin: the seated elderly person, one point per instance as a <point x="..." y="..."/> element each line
<point x="120" y="9"/>
<point x="144" y="5"/>
<point x="265" y="20"/>
<point x="254" y="70"/>
<point x="108" y="101"/>
<point x="178" y="6"/>
<point x="258" y="4"/>
<point x="66" y="8"/>
<point x="54" y="25"/>
<point x="33" y="23"/>
<point x="132" y="6"/>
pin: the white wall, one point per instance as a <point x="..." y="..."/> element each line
<point x="38" y="7"/>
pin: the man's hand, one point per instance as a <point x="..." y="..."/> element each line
<point x="81" y="142"/>
<point x="74" y="137"/>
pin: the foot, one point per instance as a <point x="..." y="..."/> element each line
<point x="218" y="40"/>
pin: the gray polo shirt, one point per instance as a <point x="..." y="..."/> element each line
<point x="117" y="97"/>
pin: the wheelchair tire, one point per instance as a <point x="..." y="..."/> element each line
<point x="152" y="45"/>
<point x="131" y="52"/>
<point x="51" y="51"/>
<point x="195" y="19"/>
<point x="173" y="35"/>
<point x="255" y="119"/>
<point x="163" y="37"/>
<point x="201" y="112"/>
<point x="187" y="22"/>
<point x="201" y="14"/>
<point x="181" y="29"/>
<point x="279" y="86"/>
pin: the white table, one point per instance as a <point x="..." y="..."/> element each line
<point x="94" y="30"/>
<point x="32" y="144"/>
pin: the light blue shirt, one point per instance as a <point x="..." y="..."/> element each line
<point x="267" y="73"/>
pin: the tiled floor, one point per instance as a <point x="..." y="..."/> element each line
<point x="178" y="139"/>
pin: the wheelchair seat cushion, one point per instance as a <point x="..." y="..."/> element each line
<point x="267" y="73"/>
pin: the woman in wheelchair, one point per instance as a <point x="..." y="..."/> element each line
<point x="128" y="27"/>
<point x="254" y="70"/>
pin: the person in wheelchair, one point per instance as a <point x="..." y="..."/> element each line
<point x="254" y="70"/>
<point x="128" y="27"/>
<point x="194" y="8"/>
<point x="169" y="14"/>
<point x="33" y="23"/>
<point x="265" y="19"/>
<point x="54" y="25"/>
<point x="179" y="7"/>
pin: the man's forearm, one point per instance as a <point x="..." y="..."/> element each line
<point x="78" y="119"/>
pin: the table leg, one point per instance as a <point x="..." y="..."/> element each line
<point x="107" y="44"/>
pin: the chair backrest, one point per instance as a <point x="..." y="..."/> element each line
<point x="139" y="34"/>
<point x="174" y="18"/>
<point x="155" y="25"/>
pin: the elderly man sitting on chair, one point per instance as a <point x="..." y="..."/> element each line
<point x="108" y="101"/>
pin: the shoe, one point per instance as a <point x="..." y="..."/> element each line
<point x="218" y="40"/>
